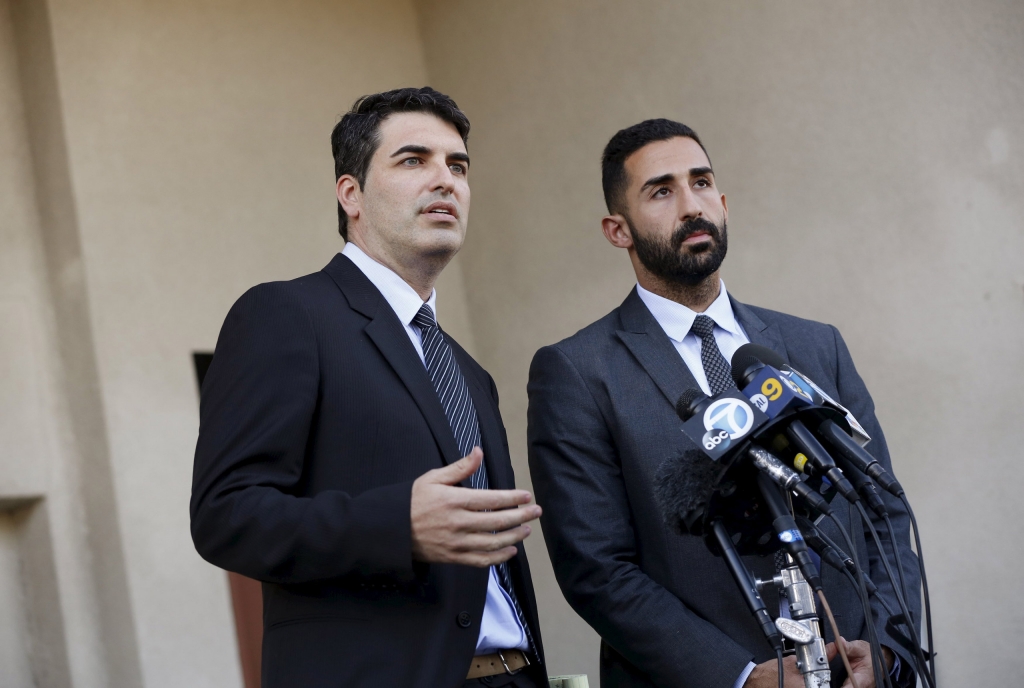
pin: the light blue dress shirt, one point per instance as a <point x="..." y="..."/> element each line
<point x="500" y="628"/>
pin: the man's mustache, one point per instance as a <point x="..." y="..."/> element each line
<point x="697" y="225"/>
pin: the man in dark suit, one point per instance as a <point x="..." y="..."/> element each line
<point x="339" y="457"/>
<point x="602" y="421"/>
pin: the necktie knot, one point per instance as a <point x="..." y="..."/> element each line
<point x="703" y="326"/>
<point x="424" y="318"/>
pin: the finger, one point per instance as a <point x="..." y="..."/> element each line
<point x="485" y="559"/>
<point x="491" y="542"/>
<point x="831" y="651"/>
<point x="491" y="521"/>
<point x="490" y="500"/>
<point x="456" y="472"/>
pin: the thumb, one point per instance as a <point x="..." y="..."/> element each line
<point x="458" y="471"/>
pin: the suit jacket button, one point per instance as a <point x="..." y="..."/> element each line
<point x="464" y="620"/>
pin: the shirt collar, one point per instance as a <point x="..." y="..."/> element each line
<point x="402" y="298"/>
<point x="676" y="319"/>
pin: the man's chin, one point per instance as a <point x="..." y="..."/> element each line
<point x="439" y="242"/>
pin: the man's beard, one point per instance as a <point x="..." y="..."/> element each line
<point x="668" y="261"/>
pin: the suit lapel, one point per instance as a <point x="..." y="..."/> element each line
<point x="391" y="339"/>
<point x="757" y="331"/>
<point x="652" y="348"/>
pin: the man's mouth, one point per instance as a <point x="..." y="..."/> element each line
<point x="697" y="237"/>
<point x="441" y="208"/>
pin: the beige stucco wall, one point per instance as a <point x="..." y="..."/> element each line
<point x="873" y="158"/>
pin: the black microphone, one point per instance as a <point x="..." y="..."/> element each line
<point x="830" y="553"/>
<point x="820" y="458"/>
<point x="864" y="487"/>
<point x="746" y="584"/>
<point x="690" y="403"/>
<point x="682" y="487"/>
<point x="788" y="533"/>
<point x="773" y="359"/>
<point x="859" y="457"/>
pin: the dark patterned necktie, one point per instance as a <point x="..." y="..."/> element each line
<point x="716" y="368"/>
<point x="458" y="407"/>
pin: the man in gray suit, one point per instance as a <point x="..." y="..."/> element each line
<point x="601" y="423"/>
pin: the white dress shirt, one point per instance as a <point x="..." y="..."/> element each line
<point x="500" y="628"/>
<point x="676" y="319"/>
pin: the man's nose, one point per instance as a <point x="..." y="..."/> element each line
<point x="443" y="179"/>
<point x="689" y="208"/>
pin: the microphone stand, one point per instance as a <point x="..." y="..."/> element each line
<point x="803" y="627"/>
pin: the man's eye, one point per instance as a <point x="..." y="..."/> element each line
<point x="661" y="193"/>
<point x="703" y="183"/>
<point x="411" y="162"/>
<point x="457" y="168"/>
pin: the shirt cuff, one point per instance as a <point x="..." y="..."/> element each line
<point x="744" y="675"/>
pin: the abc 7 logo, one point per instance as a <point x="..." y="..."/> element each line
<point x="726" y="420"/>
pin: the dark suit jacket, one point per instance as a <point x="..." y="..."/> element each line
<point x="317" y="415"/>
<point x="601" y="422"/>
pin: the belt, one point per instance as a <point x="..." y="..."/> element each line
<point x="501" y="662"/>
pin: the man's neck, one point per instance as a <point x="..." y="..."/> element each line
<point x="697" y="297"/>
<point x="420" y="275"/>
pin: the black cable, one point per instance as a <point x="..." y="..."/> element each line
<point x="899" y="560"/>
<point x="869" y="616"/>
<point x="914" y="637"/>
<point x="924" y="584"/>
<point x="782" y="678"/>
<point x="881" y="600"/>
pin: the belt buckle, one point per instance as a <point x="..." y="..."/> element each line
<point x="501" y="655"/>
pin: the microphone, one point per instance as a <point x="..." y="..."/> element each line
<point x="749" y="359"/>
<point x="859" y="458"/>
<point x="788" y="532"/>
<point x="773" y="359"/>
<point x="682" y="487"/>
<point x="687" y="472"/>
<point x="833" y="556"/>
<point x="747" y="586"/>
<point x="788" y="479"/>
<point x="864" y="487"/>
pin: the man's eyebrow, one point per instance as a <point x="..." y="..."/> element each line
<point x="412" y="148"/>
<point x="656" y="181"/>
<point x="423" y="150"/>
<point x="700" y="171"/>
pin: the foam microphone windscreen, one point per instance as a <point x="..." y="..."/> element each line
<point x="682" y="487"/>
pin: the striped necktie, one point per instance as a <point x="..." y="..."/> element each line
<point x="458" y="407"/>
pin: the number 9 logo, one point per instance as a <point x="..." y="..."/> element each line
<point x="772" y="389"/>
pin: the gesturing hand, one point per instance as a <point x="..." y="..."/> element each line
<point x="460" y="525"/>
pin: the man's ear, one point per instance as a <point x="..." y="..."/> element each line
<point x="616" y="231"/>
<point x="350" y="195"/>
<point x="725" y="207"/>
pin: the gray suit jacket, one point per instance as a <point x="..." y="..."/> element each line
<point x="601" y="422"/>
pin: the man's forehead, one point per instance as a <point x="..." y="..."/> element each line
<point x="676" y="156"/>
<point x="419" y="128"/>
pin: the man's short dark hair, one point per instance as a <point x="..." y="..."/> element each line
<point x="629" y="141"/>
<point x="357" y="136"/>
